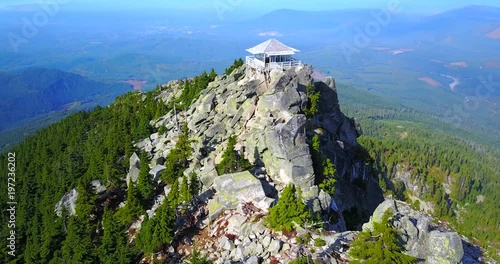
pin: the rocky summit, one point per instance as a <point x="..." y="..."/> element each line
<point x="267" y="117"/>
<point x="266" y="113"/>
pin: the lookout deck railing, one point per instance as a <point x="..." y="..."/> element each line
<point x="260" y="65"/>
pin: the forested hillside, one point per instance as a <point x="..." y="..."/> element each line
<point x="86" y="146"/>
<point x="460" y="177"/>
<point x="42" y="96"/>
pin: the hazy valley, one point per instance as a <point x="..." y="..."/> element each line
<point x="136" y="141"/>
<point x="450" y="72"/>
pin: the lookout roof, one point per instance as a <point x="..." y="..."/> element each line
<point x="272" y="47"/>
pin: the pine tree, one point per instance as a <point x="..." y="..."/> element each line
<point x="313" y="103"/>
<point x="173" y="196"/>
<point x="165" y="220"/>
<point x="158" y="231"/>
<point x="379" y="245"/>
<point x="212" y="75"/>
<point x="110" y="227"/>
<point x="177" y="160"/>
<point x="236" y="64"/>
<point x="144" y="181"/>
<point x="328" y="186"/>
<point x="133" y="206"/>
<point x="185" y="194"/>
<point x="194" y="184"/>
<point x="232" y="160"/>
<point x="328" y="168"/>
<point x="184" y="145"/>
<point x="85" y="202"/>
<point x="289" y="209"/>
<point x="114" y="247"/>
<point x="78" y="248"/>
<point x="145" y="237"/>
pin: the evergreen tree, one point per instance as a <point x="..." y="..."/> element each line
<point x="145" y="185"/>
<point x="145" y="237"/>
<point x="158" y="231"/>
<point x="85" y="201"/>
<point x="194" y="184"/>
<point x="328" y="168"/>
<point x="177" y="160"/>
<point x="173" y="196"/>
<point x="185" y="194"/>
<point x="133" y="207"/>
<point x="232" y="161"/>
<point x="212" y="74"/>
<point x="184" y="146"/>
<point x="114" y="247"/>
<point x="313" y="103"/>
<point x="289" y="209"/>
<point x="379" y="245"/>
<point x="78" y="248"/>
<point x="236" y="64"/>
<point x="328" y="186"/>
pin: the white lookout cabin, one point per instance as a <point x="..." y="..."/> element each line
<point x="271" y="55"/>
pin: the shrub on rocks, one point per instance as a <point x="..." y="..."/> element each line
<point x="232" y="161"/>
<point x="289" y="209"/>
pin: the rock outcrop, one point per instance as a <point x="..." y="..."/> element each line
<point x="266" y="115"/>
<point x="98" y="186"/>
<point x="133" y="173"/>
<point x="420" y="237"/>
<point x="233" y="189"/>
<point x="68" y="203"/>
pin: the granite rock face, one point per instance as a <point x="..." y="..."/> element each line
<point x="444" y="247"/>
<point x="232" y="189"/>
<point x="420" y="238"/>
<point x="273" y="133"/>
<point x="98" y="186"/>
<point x="266" y="114"/>
<point x="68" y="203"/>
<point x="133" y="173"/>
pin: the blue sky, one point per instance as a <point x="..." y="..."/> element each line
<point x="257" y="7"/>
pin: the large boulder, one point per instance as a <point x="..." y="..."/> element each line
<point x="287" y="158"/>
<point x="419" y="238"/>
<point x="207" y="103"/>
<point x="133" y="172"/>
<point x="232" y="189"/>
<point x="376" y="217"/>
<point x="238" y="187"/>
<point x="68" y="203"/>
<point x="98" y="186"/>
<point x="156" y="171"/>
<point x="444" y="248"/>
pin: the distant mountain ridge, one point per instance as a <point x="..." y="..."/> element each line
<point x="359" y="17"/>
<point x="35" y="92"/>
